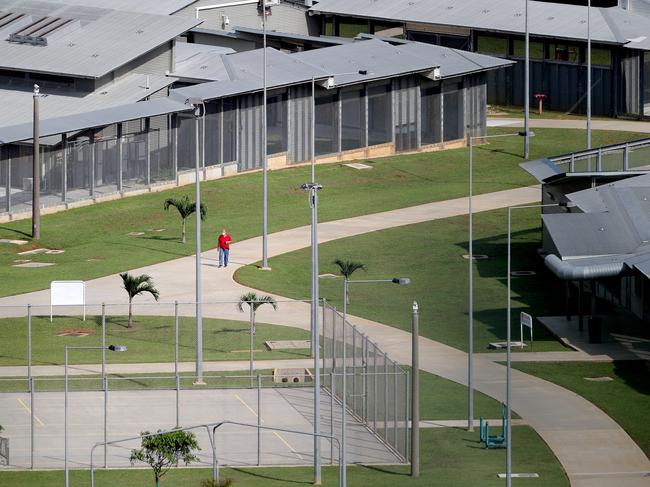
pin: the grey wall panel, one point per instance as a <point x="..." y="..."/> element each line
<point x="300" y="107"/>
<point x="630" y="80"/>
<point x="407" y="123"/>
<point x="157" y="61"/>
<point x="250" y="132"/>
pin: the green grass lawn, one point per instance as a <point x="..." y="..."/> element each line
<point x="150" y="340"/>
<point x="626" y="398"/>
<point x="430" y="254"/>
<point x="96" y="238"/>
<point x="450" y="457"/>
<point x="497" y="111"/>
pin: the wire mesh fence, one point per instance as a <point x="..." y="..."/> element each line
<point x="376" y="387"/>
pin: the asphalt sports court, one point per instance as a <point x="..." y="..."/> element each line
<point x="131" y="412"/>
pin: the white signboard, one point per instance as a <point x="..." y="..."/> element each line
<point x="68" y="293"/>
<point x="525" y="320"/>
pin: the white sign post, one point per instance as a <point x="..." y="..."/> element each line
<point x="525" y="320"/>
<point x="67" y="293"/>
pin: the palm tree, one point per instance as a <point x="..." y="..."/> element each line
<point x="185" y="208"/>
<point x="254" y="302"/>
<point x="346" y="269"/>
<point x="136" y="285"/>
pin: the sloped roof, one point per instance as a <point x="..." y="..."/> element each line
<point x="615" y="225"/>
<point x="608" y="25"/>
<point x="104" y="41"/>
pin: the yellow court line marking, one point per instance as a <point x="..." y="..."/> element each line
<point x="288" y="445"/>
<point x="246" y="404"/>
<point x="29" y="410"/>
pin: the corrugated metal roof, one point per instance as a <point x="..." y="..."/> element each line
<point x="614" y="227"/>
<point x="98" y="118"/>
<point x="541" y="169"/>
<point x="608" y="25"/>
<point x="16" y="103"/>
<point x="160" y="7"/>
<point x="106" y="40"/>
<point x="199" y="62"/>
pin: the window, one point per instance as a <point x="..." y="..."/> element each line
<point x="329" y="26"/>
<point x="564" y="52"/>
<point x="380" y="114"/>
<point x="536" y="49"/>
<point x="601" y="56"/>
<point x="351" y="27"/>
<point x="492" y="45"/>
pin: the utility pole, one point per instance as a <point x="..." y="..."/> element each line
<point x="36" y="170"/>
<point x="415" y="392"/>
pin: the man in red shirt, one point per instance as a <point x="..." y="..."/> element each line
<point x="224" y="248"/>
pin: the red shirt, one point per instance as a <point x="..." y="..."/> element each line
<point x="224" y="241"/>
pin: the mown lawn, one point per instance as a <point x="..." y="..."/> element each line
<point x="430" y="254"/>
<point x="96" y="238"/>
<point x="150" y="340"/>
<point x="450" y="457"/>
<point x="626" y="398"/>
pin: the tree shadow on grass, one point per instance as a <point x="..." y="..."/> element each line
<point x="161" y="238"/>
<point x="383" y="469"/>
<point x="279" y="478"/>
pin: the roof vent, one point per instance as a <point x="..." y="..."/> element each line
<point x="44" y="30"/>
<point x="10" y="22"/>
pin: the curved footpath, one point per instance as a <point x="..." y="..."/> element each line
<point x="609" y="124"/>
<point x="593" y="449"/>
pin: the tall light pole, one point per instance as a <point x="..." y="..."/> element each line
<point x="470" y="272"/>
<point x="112" y="348"/>
<point x="588" y="74"/>
<point x="313" y="189"/>
<point x="527" y="85"/>
<point x="36" y="169"/>
<point x="508" y="338"/>
<point x="402" y="281"/>
<point x="265" y="161"/>
<point x="199" y="109"/>
<point x="415" y="392"/>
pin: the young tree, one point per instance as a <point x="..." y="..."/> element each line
<point x="254" y="302"/>
<point x="136" y="285"/>
<point x="165" y="450"/>
<point x="185" y="208"/>
<point x="346" y="269"/>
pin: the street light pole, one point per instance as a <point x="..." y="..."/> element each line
<point x="265" y="162"/>
<point x="588" y="74"/>
<point x="112" y="348"/>
<point x="415" y="392"/>
<point x="313" y="189"/>
<point x="527" y="87"/>
<point x="470" y="271"/>
<point x="36" y="168"/>
<point x="198" y="105"/>
<point x="508" y="339"/>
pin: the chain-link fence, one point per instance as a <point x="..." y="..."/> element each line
<point x="153" y="385"/>
<point x="376" y="387"/>
<point x="634" y="155"/>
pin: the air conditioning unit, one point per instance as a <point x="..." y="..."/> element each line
<point x="291" y="376"/>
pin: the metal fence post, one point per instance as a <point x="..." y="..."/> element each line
<point x="332" y="379"/>
<point x="626" y="157"/>
<point x="176" y="362"/>
<point x="364" y="363"/>
<point x="103" y="340"/>
<point x="406" y="415"/>
<point x="395" y="366"/>
<point x="385" y="396"/>
<point x="29" y="343"/>
<point x="599" y="160"/>
<point x="105" y="381"/>
<point x="31" y="427"/>
<point x="354" y="368"/>
<point x="415" y="400"/>
<point x="374" y="387"/>
<point x="572" y="164"/>
<point x="259" y="418"/>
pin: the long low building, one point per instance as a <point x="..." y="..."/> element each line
<point x="372" y="98"/>
<point x="558" y="48"/>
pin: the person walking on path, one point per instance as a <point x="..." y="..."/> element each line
<point x="224" y="248"/>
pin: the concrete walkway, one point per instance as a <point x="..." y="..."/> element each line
<point x="613" y="124"/>
<point x="593" y="449"/>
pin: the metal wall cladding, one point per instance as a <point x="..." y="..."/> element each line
<point x="250" y="132"/>
<point x="406" y="113"/>
<point x="300" y="115"/>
